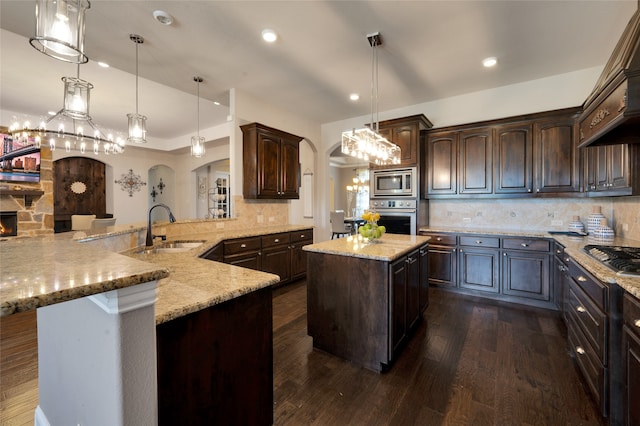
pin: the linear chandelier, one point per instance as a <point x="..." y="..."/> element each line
<point x="366" y="143"/>
<point x="69" y="126"/>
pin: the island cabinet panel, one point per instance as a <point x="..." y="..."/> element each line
<point x="513" y="159"/>
<point x="476" y="161"/>
<point x="399" y="325"/>
<point x="271" y="163"/>
<point x="631" y="359"/>
<point x="215" y="366"/>
<point x="423" y="295"/>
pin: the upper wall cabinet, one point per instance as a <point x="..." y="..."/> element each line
<point x="271" y="163"/>
<point x="612" y="170"/>
<point x="406" y="133"/>
<point x="513" y="157"/>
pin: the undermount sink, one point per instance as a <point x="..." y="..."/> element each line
<point x="173" y="247"/>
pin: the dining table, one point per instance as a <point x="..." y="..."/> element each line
<point x="355" y="222"/>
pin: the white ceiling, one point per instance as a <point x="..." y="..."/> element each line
<point x="431" y="50"/>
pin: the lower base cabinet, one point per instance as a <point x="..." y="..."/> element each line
<point x="631" y="360"/>
<point x="215" y="366"/>
<point x="510" y="268"/>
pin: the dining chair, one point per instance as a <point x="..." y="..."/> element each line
<point x="81" y="222"/>
<point x="338" y="227"/>
<point x="103" y="223"/>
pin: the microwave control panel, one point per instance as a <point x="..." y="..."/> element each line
<point x="393" y="204"/>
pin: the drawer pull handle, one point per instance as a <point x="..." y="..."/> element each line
<point x="582" y="279"/>
<point x="637" y="323"/>
<point x="302" y="236"/>
<point x="243" y="245"/>
<point x="580" y="350"/>
<point x="524" y="244"/>
<point x="276" y="240"/>
<point x="439" y="239"/>
<point x="558" y="251"/>
<point x="581" y="309"/>
<point x="478" y="242"/>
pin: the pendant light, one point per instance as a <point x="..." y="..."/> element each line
<point x="66" y="126"/>
<point x="137" y="122"/>
<point x="60" y="29"/>
<point x="366" y="143"/>
<point x="197" y="142"/>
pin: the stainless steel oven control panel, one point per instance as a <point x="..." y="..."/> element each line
<point x="392" y="204"/>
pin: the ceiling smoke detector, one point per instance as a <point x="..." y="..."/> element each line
<point x="163" y="17"/>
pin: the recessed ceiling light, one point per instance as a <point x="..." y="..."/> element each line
<point x="354" y="96"/>
<point x="163" y="17"/>
<point x="103" y="64"/>
<point x="490" y="62"/>
<point x="51" y="113"/>
<point x="216" y="103"/>
<point x="269" y="35"/>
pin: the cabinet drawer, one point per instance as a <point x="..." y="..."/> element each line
<point x="480" y="242"/>
<point x="631" y="312"/>
<point x="273" y="240"/>
<point x="596" y="290"/>
<point x="301" y="236"/>
<point x="442" y="239"/>
<point x="591" y="320"/>
<point x="241" y="245"/>
<point x="595" y="374"/>
<point x="526" y="244"/>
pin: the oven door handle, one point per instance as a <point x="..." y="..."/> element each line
<point x="387" y="211"/>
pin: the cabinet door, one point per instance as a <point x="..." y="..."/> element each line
<point x="631" y="354"/>
<point x="290" y="169"/>
<point x="555" y="156"/>
<point x="424" y="278"/>
<point x="413" y="289"/>
<point x="479" y="269"/>
<point x="618" y="166"/>
<point x="526" y="274"/>
<point x="476" y="169"/>
<point x="249" y="260"/>
<point x="442" y="168"/>
<point x="269" y="166"/>
<point x="398" y="287"/>
<point x="601" y="172"/>
<point x="442" y="266"/>
<point x="513" y="159"/>
<point x="277" y="260"/>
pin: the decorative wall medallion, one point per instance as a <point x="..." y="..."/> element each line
<point x="130" y="182"/>
<point x="161" y="185"/>
<point x="78" y="187"/>
<point x="154" y="194"/>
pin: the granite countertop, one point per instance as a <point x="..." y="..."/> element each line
<point x="388" y="248"/>
<point x="46" y="270"/>
<point x="573" y="247"/>
<point x="195" y="284"/>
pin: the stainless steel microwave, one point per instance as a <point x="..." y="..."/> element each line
<point x="394" y="182"/>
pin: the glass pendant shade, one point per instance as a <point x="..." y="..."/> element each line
<point x="137" y="128"/>
<point x="367" y="145"/>
<point x="197" y="146"/>
<point x="60" y="29"/>
<point x="76" y="98"/>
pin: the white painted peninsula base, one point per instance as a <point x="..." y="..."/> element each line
<point x="97" y="359"/>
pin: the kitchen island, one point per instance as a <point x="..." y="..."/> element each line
<point x="365" y="299"/>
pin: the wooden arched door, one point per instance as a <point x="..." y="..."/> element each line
<point x="78" y="188"/>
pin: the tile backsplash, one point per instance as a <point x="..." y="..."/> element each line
<point x="623" y="213"/>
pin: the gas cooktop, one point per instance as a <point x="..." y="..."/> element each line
<point x="624" y="260"/>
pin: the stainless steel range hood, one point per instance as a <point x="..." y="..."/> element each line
<point x="611" y="113"/>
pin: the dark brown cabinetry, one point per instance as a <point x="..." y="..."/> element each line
<point x="612" y="170"/>
<point x="631" y="359"/>
<point x="406" y="133"/>
<point x="424" y="278"/>
<point x="215" y="366"/>
<point x="509" y="268"/>
<point x="526" y="268"/>
<point x="479" y="260"/>
<point x="271" y="163"/>
<point x="280" y="254"/>
<point x="556" y="160"/>
<point x="512" y="157"/>
<point x="405" y="298"/>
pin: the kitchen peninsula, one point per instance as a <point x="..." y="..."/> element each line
<point x="191" y="299"/>
<point x="364" y="299"/>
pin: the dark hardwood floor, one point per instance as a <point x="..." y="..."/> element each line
<point x="471" y="362"/>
